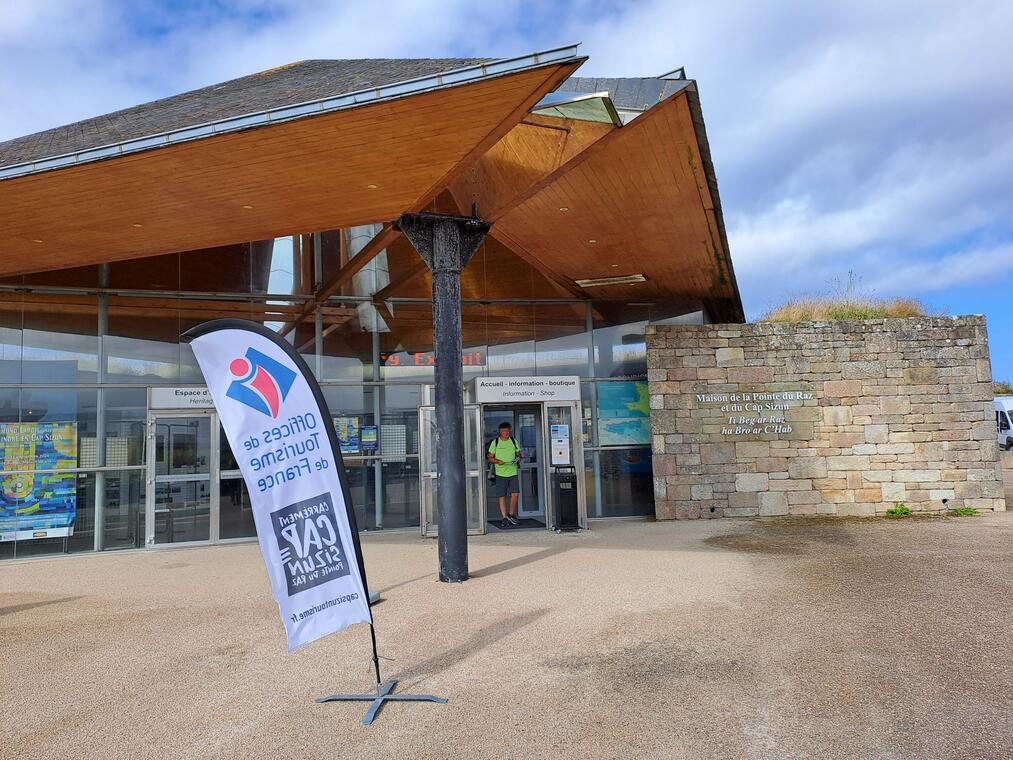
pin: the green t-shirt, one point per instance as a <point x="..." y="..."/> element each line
<point x="505" y="451"/>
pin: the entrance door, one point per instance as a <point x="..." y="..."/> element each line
<point x="526" y="428"/>
<point x="182" y="504"/>
<point x="474" y="466"/>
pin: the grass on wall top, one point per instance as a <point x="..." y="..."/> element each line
<point x="843" y="300"/>
<point x="829" y="310"/>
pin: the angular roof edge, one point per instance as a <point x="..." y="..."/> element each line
<point x="336" y="102"/>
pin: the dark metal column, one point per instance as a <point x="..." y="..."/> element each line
<point x="446" y="244"/>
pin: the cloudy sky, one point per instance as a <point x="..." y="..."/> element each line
<point x="872" y="137"/>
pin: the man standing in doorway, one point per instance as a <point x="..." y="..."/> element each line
<point x="505" y="455"/>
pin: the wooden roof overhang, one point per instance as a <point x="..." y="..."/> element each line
<point x="317" y="172"/>
<point x="640" y="200"/>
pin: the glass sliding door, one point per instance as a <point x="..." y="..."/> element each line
<point x="474" y="466"/>
<point x="180" y="475"/>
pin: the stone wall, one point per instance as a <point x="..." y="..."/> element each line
<point x="835" y="418"/>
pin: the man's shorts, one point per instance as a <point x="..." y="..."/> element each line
<point x="506" y="485"/>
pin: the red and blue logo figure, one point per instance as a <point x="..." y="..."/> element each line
<point x="261" y="383"/>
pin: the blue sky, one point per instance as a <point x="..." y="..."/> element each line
<point x="865" y="137"/>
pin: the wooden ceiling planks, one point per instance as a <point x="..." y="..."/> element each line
<point x="640" y="195"/>
<point x="525" y="155"/>
<point x="308" y="174"/>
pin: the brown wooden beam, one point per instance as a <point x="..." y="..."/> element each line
<point x="370" y="251"/>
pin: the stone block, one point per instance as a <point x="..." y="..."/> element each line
<point x="741" y="512"/>
<point x="835" y="496"/>
<point x="845" y="440"/>
<point x="895" y="405"/>
<point x="848" y="463"/>
<point x="869" y="495"/>
<point x="751" y="375"/>
<point x="803" y="509"/>
<point x="729" y="357"/>
<point x="717" y="453"/>
<point x="752" y="449"/>
<point x="861" y="370"/>
<point x="842" y="388"/>
<point x="938" y="494"/>
<point x="700" y="492"/>
<point x="856" y="510"/>
<point x="771" y="464"/>
<point x="877" y="433"/>
<point x="772" y="504"/>
<point x="751" y="481"/>
<point x="807" y="467"/>
<point x="920" y="375"/>
<point x="836" y="415"/>
<point x="915" y="476"/>
<point x="743" y="500"/>
<point x="893" y="492"/>
<point x="804" y="497"/>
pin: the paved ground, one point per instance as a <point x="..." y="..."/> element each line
<point x="762" y="639"/>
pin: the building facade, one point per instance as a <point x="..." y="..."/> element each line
<point x="271" y="198"/>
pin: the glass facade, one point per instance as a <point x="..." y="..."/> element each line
<point x="84" y="458"/>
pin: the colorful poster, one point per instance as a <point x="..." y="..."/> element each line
<point x="347" y="429"/>
<point x="369" y="439"/>
<point x="43" y="505"/>
<point x="624" y="414"/>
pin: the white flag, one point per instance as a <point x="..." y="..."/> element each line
<point x="280" y="430"/>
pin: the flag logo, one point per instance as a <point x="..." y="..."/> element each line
<point x="261" y="382"/>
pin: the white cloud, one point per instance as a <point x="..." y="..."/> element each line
<point x="975" y="265"/>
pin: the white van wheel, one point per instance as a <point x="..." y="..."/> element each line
<point x="1009" y="444"/>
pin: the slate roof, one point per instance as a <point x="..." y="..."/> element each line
<point x="636" y="93"/>
<point x="284" y="86"/>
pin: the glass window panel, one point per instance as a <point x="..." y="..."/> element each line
<point x="362" y="489"/>
<point x="225" y="269"/>
<point x="79" y="277"/>
<point x="347" y="342"/>
<point x="10" y="339"/>
<point x="401" y="493"/>
<point x="143" y="348"/>
<point x="406" y="346"/>
<point x="510" y="330"/>
<point x="625" y="483"/>
<point x="277" y="266"/>
<point x="148" y="273"/>
<point x="351" y="408"/>
<point x="182" y="511"/>
<point x="621" y="350"/>
<point x="124" y="510"/>
<point x="376" y="274"/>
<point x="562" y="339"/>
<point x="399" y="423"/>
<point x="126" y="417"/>
<point x="234" y="508"/>
<point x="189" y="370"/>
<point x="60" y="343"/>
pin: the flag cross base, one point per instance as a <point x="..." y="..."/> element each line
<point x="383" y="694"/>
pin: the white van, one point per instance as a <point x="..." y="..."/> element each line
<point x="1004" y="421"/>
